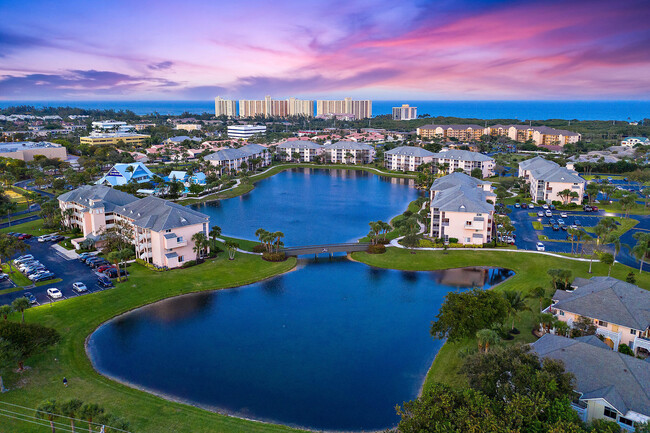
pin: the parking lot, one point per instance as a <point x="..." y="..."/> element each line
<point x="68" y="269"/>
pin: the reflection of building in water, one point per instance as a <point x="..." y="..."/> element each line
<point x="463" y="277"/>
<point x="180" y="307"/>
<point x="400" y="181"/>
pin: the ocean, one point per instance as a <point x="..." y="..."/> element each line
<point x="521" y="110"/>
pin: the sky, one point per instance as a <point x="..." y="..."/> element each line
<point x="376" y="49"/>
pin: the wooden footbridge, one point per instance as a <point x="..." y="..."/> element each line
<point x="326" y="249"/>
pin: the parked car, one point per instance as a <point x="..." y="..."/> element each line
<point x="594" y="208"/>
<point x="575" y="227"/>
<point x="548" y="214"/>
<point x="112" y="273"/>
<point x="564" y="227"/>
<point x="587" y="208"/>
<point x="560" y="221"/>
<point x="540" y="214"/>
<point x="44" y="277"/>
<point x="84" y="256"/>
<point x="24" y="266"/>
<point x="517" y="205"/>
<point x="44" y="238"/>
<point x="54" y="293"/>
<point x="556" y="227"/>
<point x="552" y="207"/>
<point x="577" y="223"/>
<point x="37" y="275"/>
<point x="26" y="256"/>
<point x="4" y="276"/>
<point x="531" y="206"/>
<point x="35" y="271"/>
<point x="552" y="221"/>
<point x="104" y="281"/>
<point x="57" y="238"/>
<point x="31" y="298"/>
<point x="97" y="263"/>
<point x="104" y="267"/>
<point x="524" y="206"/>
<point x="564" y="215"/>
<point x="540" y="246"/>
<point x="544" y="206"/>
<point x="24" y="236"/>
<point x="79" y="287"/>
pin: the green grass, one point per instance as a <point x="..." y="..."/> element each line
<point x="538" y="225"/>
<point x="395" y="233"/>
<point x="11" y="290"/>
<point x="77" y="317"/>
<point x="244" y="244"/>
<point x="4" y="219"/>
<point x="530" y="272"/>
<point x="615" y="207"/>
<point x="625" y="225"/>
<point x="52" y="281"/>
<point x="32" y="227"/>
<point x="16" y="276"/>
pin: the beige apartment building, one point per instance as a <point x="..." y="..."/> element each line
<point x="305" y="150"/>
<point x="407" y="158"/>
<point x="458" y="132"/>
<point x="461" y="209"/>
<point x="547" y="180"/>
<point x="27" y="150"/>
<point x="162" y="230"/>
<point x="97" y="138"/>
<point x="542" y="135"/>
<point x="188" y="127"/>
<point x="360" y="109"/>
<point x="225" y="107"/>
<point x="405" y="112"/>
<point x="455" y="159"/>
<point x="269" y="107"/>
<point x="349" y="152"/>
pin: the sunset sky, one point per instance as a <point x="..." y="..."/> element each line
<point x="595" y="49"/>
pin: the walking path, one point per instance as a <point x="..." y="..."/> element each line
<point x="68" y="254"/>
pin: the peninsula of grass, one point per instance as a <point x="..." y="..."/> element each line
<point x="31" y="227"/>
<point x="538" y="225"/>
<point x="247" y="184"/>
<point x="78" y="317"/>
<point x="625" y="225"/>
<point x="15" y="275"/>
<point x="530" y="272"/>
<point x="244" y="244"/>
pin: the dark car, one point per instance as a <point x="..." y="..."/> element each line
<point x="556" y="227"/>
<point x="577" y="222"/>
<point x="44" y="277"/>
<point x="96" y="264"/>
<point x="31" y="298"/>
<point x="112" y="273"/>
<point x="57" y="238"/>
<point x="92" y="259"/>
<point x="564" y="227"/>
<point x="104" y="281"/>
<point x="524" y="206"/>
<point x="24" y="236"/>
<point x="587" y="208"/>
<point x="552" y="222"/>
<point x="551" y="206"/>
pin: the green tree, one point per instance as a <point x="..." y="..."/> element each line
<point x="10" y="246"/>
<point x="486" y="337"/>
<point x="477" y="173"/>
<point x="5" y="311"/>
<point x="540" y="294"/>
<point x="71" y="409"/>
<point x="200" y="243"/>
<point x="642" y="247"/>
<point x="516" y="304"/>
<point x="28" y="339"/>
<point x="89" y="412"/>
<point x="20" y="304"/>
<point x="9" y="355"/>
<point x="47" y="410"/>
<point x="232" y="249"/>
<point x="607" y="259"/>
<point x="463" y="314"/>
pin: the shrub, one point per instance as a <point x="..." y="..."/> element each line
<point x="188" y="264"/>
<point x="259" y="248"/>
<point x="274" y="257"/>
<point x="625" y="349"/>
<point x="376" y="249"/>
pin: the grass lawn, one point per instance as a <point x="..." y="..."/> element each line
<point x="16" y="276"/>
<point x="615" y="207"/>
<point x="32" y="227"/>
<point x="4" y="219"/>
<point x="52" y="281"/>
<point x="244" y="244"/>
<point x="395" y="233"/>
<point x="530" y="273"/>
<point x="625" y="225"/>
<point x="538" y="225"/>
<point x="77" y="317"/>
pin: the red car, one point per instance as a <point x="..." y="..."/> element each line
<point x="594" y="208"/>
<point x="104" y="268"/>
<point x="24" y="236"/>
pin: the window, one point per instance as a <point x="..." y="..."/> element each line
<point x="168" y="231"/>
<point x="633" y="331"/>
<point x="181" y="258"/>
<point x="602" y="323"/>
<point x="561" y="313"/>
<point x="610" y="413"/>
<point x="626" y="421"/>
<point x="179" y="239"/>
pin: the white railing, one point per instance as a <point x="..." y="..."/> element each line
<point x="614" y="336"/>
<point x="641" y="342"/>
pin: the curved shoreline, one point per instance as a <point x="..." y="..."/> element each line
<point x="230" y="413"/>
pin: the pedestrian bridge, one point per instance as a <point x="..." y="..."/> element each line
<point x="326" y="249"/>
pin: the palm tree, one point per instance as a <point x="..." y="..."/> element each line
<point x="20" y="304"/>
<point x="277" y="236"/>
<point x="516" y="304"/>
<point x="641" y="249"/>
<point x="46" y="410"/>
<point x="90" y="411"/>
<point x="554" y="274"/>
<point x="561" y="328"/>
<point x="5" y="310"/>
<point x="607" y="259"/>
<point x="200" y="242"/>
<point x="215" y="232"/>
<point x="539" y="293"/>
<point x="547" y="321"/>
<point x="484" y="338"/>
<point x="232" y="249"/>
<point x="70" y="409"/>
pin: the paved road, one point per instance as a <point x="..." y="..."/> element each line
<point x="69" y="270"/>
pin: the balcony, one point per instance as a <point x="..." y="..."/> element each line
<point x="641" y="342"/>
<point x="614" y="336"/>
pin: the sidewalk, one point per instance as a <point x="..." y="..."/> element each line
<point x="69" y="254"/>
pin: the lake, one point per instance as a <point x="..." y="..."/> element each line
<point x="334" y="345"/>
<point x="313" y="206"/>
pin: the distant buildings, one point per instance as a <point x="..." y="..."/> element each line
<point x="457" y="132"/>
<point x="26" y="150"/>
<point x="108" y="125"/>
<point x="188" y="126"/>
<point x="305" y="150"/>
<point x="460" y="209"/>
<point x="225" y="107"/>
<point x="121" y="174"/>
<point x="633" y="141"/>
<point x="407" y="158"/>
<point x="97" y="138"/>
<point x="349" y="152"/>
<point x="547" y="180"/>
<point x="269" y="107"/>
<point x="542" y="135"/>
<point x="361" y="109"/>
<point x="609" y="385"/>
<point x="244" y="132"/>
<point x="232" y="159"/>
<point x="405" y="112"/>
<point x="181" y="138"/>
<point x="455" y="159"/>
<point x="161" y="230"/>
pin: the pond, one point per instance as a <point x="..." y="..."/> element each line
<point x="313" y="206"/>
<point x="333" y="345"/>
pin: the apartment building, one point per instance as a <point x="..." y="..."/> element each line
<point x="269" y="107"/>
<point x="232" y="159"/>
<point x="407" y="158"/>
<point x="633" y="141"/>
<point x="609" y="385"/>
<point x="244" y="132"/>
<point x="121" y="174"/>
<point x="497" y="130"/>
<point x="620" y="310"/>
<point x="27" y="150"/>
<point x="359" y="109"/>
<point x="542" y="135"/>
<point x="547" y="180"/>
<point x="461" y="209"/>
<point x="188" y="127"/>
<point x="306" y="150"/>
<point x="97" y="138"/>
<point x="457" y="132"/>
<point x="225" y="107"/>
<point x="349" y="152"/>
<point x="455" y="159"/>
<point x="405" y="112"/>
<point x="162" y="230"/>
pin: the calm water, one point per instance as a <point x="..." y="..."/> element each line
<point x="333" y="345"/>
<point x="313" y="206"/>
<point x="522" y="110"/>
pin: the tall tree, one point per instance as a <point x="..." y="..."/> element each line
<point x="21" y="304"/>
<point x="47" y="410"/>
<point x="89" y="412"/>
<point x="71" y="409"/>
<point x="516" y="304"/>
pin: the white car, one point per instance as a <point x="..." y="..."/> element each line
<point x="548" y="214"/>
<point x="44" y="238"/>
<point x="564" y="215"/>
<point x="574" y="227"/>
<point x="531" y="206"/>
<point x="54" y="293"/>
<point x="79" y="287"/>
<point x="23" y="258"/>
<point x="545" y="206"/>
<point x="540" y="246"/>
<point x="3" y="276"/>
